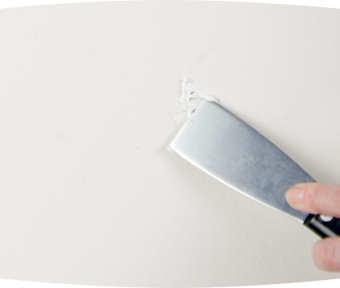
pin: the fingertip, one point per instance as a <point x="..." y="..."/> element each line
<point x="295" y="195"/>
<point x="316" y="255"/>
<point x="326" y="254"/>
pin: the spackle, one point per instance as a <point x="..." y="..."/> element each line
<point x="189" y="91"/>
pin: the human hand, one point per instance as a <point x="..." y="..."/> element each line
<point x="324" y="199"/>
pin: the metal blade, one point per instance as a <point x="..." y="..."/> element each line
<point x="227" y="148"/>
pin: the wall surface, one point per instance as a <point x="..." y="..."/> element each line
<point x="89" y="101"/>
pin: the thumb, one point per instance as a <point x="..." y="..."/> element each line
<point x="326" y="254"/>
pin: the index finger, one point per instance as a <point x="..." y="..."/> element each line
<point x="315" y="198"/>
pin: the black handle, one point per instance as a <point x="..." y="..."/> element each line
<point x="322" y="225"/>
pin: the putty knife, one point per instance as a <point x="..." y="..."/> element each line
<point x="227" y="148"/>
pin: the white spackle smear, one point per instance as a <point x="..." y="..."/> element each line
<point x="189" y="92"/>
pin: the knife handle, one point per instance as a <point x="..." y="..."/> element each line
<point x="324" y="226"/>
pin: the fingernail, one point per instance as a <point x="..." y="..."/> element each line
<point x="295" y="194"/>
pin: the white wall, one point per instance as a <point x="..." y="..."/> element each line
<point x="89" y="101"/>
